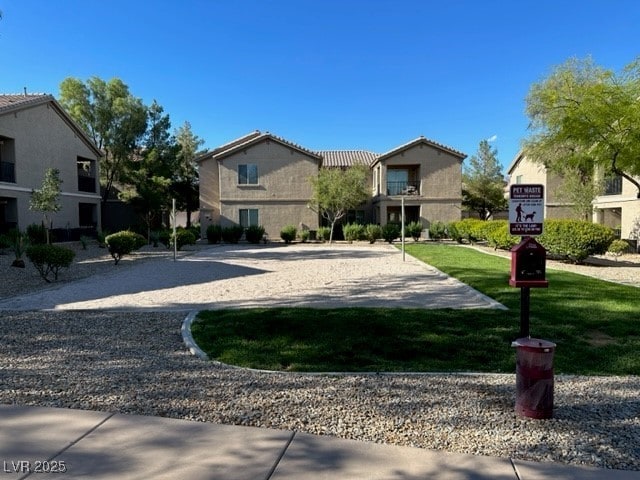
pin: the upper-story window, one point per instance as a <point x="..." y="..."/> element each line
<point x="7" y="160"/>
<point x="86" y="174"/>
<point x="613" y="185"/>
<point x="248" y="174"/>
<point x="518" y="178"/>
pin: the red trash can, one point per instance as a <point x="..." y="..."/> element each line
<point x="534" y="377"/>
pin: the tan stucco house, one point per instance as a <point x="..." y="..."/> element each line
<point x="263" y="179"/>
<point x="37" y="134"/>
<point x="618" y="207"/>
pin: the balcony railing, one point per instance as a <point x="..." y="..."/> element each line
<point x="7" y="172"/>
<point x="86" y="184"/>
<point x="613" y="185"/>
<point x="403" y="188"/>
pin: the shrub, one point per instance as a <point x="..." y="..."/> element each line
<point x="4" y="242"/>
<point x="84" y="241"/>
<point x="372" y="232"/>
<point x="232" y="234"/>
<point x="304" y="235"/>
<point x="324" y="233"/>
<point x="413" y="230"/>
<point x="183" y="237"/>
<point x="352" y="232"/>
<point x="124" y="242"/>
<point x="288" y="233"/>
<point x="50" y="259"/>
<point x="214" y="233"/>
<point x="254" y="233"/>
<point x="453" y="233"/>
<point x="470" y="229"/>
<point x="496" y="233"/>
<point x="390" y="232"/>
<point x="437" y="230"/>
<point x="18" y="243"/>
<point x="575" y="240"/>
<point x="618" y="247"/>
<point x="100" y="236"/>
<point x="37" y="234"/>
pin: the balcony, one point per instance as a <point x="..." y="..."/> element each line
<point x="7" y="172"/>
<point x="86" y="184"/>
<point x="410" y="188"/>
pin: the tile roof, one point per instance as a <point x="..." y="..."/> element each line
<point x="422" y="139"/>
<point x="347" y="158"/>
<point x="9" y="102"/>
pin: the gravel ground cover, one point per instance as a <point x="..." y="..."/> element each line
<point x="135" y="362"/>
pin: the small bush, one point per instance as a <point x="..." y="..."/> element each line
<point x="372" y="232"/>
<point x="124" y="242"/>
<point x="437" y="230"/>
<point x="232" y="234"/>
<point x="324" y="233"/>
<point x="453" y="233"/>
<point x="390" y="232"/>
<point x="470" y="229"/>
<point x="413" y="230"/>
<point x="4" y="242"/>
<point x="84" y="241"/>
<point x="575" y="240"/>
<point x="288" y="233"/>
<point x="353" y="232"/>
<point x="304" y="235"/>
<point x="100" y="236"/>
<point x="618" y="247"/>
<point x="254" y="233"/>
<point x="214" y="233"/>
<point x="497" y="235"/>
<point x="183" y="237"/>
<point x="18" y="243"/>
<point x="49" y="259"/>
<point x="37" y="234"/>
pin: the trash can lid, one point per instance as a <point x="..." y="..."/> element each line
<point x="532" y="343"/>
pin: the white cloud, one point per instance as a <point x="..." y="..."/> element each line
<point x="492" y="138"/>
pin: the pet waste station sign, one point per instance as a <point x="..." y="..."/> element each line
<point x="526" y="209"/>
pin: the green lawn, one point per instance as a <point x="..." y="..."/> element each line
<point x="594" y="323"/>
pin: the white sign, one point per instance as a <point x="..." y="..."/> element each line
<point x="526" y="209"/>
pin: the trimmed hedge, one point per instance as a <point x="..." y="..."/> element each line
<point x="575" y="240"/>
<point x="413" y="230"/>
<point x="124" y="242"/>
<point x="390" y="232"/>
<point x="49" y="259"/>
<point x="183" y="237"/>
<point x="353" y="232"/>
<point x="437" y="230"/>
<point x="214" y="233"/>
<point x="232" y="234"/>
<point x="372" y="232"/>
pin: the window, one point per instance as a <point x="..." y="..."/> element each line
<point x="7" y="161"/>
<point x="355" y="216"/>
<point x="86" y="174"/>
<point x="248" y="217"/>
<point x="613" y="185"/>
<point x="248" y="174"/>
<point x="518" y="178"/>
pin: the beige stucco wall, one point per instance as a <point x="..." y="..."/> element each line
<point x="440" y="175"/>
<point x="42" y="140"/>
<point x="281" y="195"/>
<point x="621" y="211"/>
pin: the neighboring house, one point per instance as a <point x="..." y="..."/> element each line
<point x="37" y="134"/>
<point x="262" y="179"/>
<point x="618" y="207"/>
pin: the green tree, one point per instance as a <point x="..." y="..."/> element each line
<point x="336" y="191"/>
<point x="483" y="183"/>
<point x="578" y="188"/>
<point x="148" y="174"/>
<point x="115" y="120"/>
<point x="185" y="182"/>
<point x="587" y="118"/>
<point x="45" y="199"/>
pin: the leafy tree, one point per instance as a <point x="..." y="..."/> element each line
<point x="45" y="199"/>
<point x="336" y="191"/>
<point x="483" y="190"/>
<point x="113" y="118"/>
<point x="185" y="183"/>
<point x="586" y="117"/>
<point x="148" y="174"/>
<point x="578" y="188"/>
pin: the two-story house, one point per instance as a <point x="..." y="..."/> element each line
<point x="37" y="134"/>
<point x="262" y="179"/>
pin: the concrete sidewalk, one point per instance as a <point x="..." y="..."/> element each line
<point x="48" y="443"/>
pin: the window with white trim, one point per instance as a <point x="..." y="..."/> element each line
<point x="248" y="174"/>
<point x="249" y="217"/>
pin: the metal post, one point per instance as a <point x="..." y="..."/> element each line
<point x="525" y="296"/>
<point x="175" y="240"/>
<point x="402" y="230"/>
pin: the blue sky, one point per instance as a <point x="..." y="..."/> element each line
<point x="327" y="74"/>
